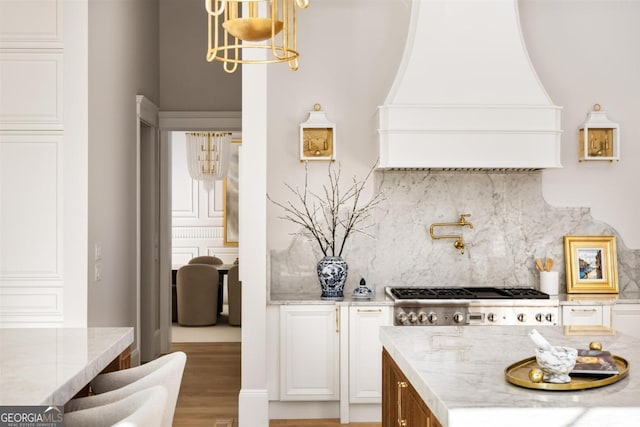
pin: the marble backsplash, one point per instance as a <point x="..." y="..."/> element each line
<point x="512" y="226"/>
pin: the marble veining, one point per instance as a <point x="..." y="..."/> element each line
<point x="459" y="373"/>
<point x="48" y="366"/>
<point x="513" y="225"/>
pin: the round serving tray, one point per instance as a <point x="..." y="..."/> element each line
<point x="518" y="374"/>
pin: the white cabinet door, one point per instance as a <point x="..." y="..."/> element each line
<point x="626" y="319"/>
<point x="365" y="353"/>
<point x="309" y="359"/>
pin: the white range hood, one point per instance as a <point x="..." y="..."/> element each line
<point x="466" y="94"/>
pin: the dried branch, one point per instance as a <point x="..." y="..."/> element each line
<point x="330" y="217"/>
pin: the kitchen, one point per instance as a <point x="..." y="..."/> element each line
<point x="518" y="215"/>
<point x="348" y="65"/>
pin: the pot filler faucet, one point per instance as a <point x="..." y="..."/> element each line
<point x="459" y="243"/>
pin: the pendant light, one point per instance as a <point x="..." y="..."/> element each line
<point x="274" y="24"/>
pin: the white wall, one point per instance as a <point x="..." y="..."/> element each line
<point x="349" y="53"/>
<point x="123" y="62"/>
<point x="588" y="52"/>
<point x="584" y="51"/>
<point x="187" y="81"/>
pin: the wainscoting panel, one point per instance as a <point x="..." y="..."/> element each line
<point x="31" y="306"/>
<point x="33" y="23"/>
<point x="31" y="83"/>
<point x="31" y="220"/>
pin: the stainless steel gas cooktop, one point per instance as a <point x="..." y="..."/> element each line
<point x="424" y="306"/>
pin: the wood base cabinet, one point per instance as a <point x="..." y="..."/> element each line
<point x="401" y="404"/>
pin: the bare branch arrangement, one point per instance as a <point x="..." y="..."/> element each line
<point x="331" y="217"/>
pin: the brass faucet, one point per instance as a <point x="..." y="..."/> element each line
<point x="459" y="243"/>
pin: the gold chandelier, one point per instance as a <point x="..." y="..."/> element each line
<point x="277" y="27"/>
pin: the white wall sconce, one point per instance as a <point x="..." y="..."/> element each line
<point x="599" y="137"/>
<point x="317" y="137"/>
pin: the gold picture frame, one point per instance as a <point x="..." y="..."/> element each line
<point x="591" y="264"/>
<point x="230" y="202"/>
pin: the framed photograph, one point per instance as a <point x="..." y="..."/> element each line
<point x="230" y="201"/>
<point x="591" y="264"/>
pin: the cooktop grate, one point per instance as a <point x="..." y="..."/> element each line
<point x="417" y="293"/>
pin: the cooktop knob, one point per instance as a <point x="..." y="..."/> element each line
<point x="522" y="317"/>
<point x="491" y="317"/>
<point x="413" y="318"/>
<point x="402" y="317"/>
<point x="539" y="317"/>
<point x="432" y="317"/>
<point x="458" y="318"/>
<point x="550" y="317"/>
<point x="422" y="317"/>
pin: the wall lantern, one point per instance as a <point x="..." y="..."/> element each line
<point x="208" y="155"/>
<point x="599" y="137"/>
<point x="275" y="24"/>
<point x="317" y="137"/>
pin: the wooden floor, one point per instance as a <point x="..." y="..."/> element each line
<point x="210" y="387"/>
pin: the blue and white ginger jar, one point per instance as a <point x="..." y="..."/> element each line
<point x="332" y="273"/>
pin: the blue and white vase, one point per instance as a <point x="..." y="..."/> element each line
<point x="332" y="273"/>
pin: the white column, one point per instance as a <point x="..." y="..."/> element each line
<point x="253" y="399"/>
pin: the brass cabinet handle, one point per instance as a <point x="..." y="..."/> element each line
<point x="402" y="422"/>
<point x="337" y="320"/>
<point x="369" y="310"/>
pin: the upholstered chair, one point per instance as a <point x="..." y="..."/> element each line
<point x="211" y="260"/>
<point x="113" y="386"/>
<point x="197" y="295"/>
<point x="143" y="408"/>
<point x="235" y="297"/>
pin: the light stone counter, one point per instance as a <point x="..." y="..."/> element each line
<point x="289" y="298"/>
<point x="628" y="297"/>
<point x="459" y="373"/>
<point x="48" y="366"/>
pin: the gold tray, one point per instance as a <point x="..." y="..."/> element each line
<point x="518" y="374"/>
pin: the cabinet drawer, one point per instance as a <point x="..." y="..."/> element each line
<point x="587" y="319"/>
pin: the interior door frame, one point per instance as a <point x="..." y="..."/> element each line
<point x="171" y="121"/>
<point x="147" y="114"/>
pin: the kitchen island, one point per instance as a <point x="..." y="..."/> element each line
<point x="458" y="372"/>
<point x="48" y="366"/>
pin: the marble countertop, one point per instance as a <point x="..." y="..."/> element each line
<point x="600" y="299"/>
<point x="287" y="298"/>
<point x="380" y="298"/>
<point x="48" y="366"/>
<point x="459" y="373"/>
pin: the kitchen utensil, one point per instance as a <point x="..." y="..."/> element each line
<point x="539" y="264"/>
<point x="556" y="363"/>
<point x="548" y="264"/>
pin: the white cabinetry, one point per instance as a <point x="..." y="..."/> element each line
<point x="309" y="358"/>
<point x="626" y="319"/>
<point x="586" y="315"/>
<point x="365" y="352"/>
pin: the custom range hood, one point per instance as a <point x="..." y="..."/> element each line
<point x="466" y="95"/>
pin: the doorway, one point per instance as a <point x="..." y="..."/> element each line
<point x="203" y="222"/>
<point x="185" y="239"/>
